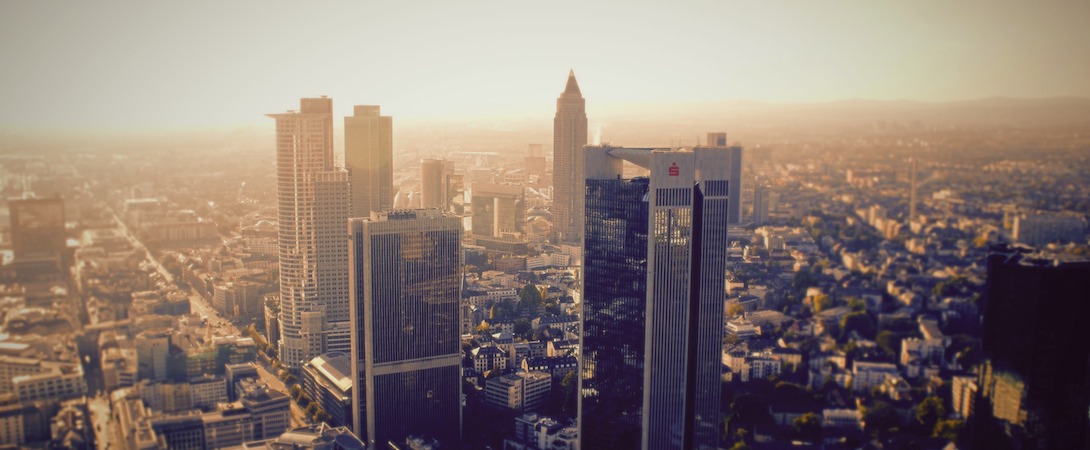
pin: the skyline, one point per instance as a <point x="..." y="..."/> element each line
<point x="180" y="66"/>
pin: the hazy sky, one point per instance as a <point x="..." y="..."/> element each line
<point x="181" y="64"/>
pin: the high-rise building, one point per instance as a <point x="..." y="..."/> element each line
<point x="1036" y="371"/>
<point x="762" y="202"/>
<point x="437" y="184"/>
<point x="497" y="209"/>
<point x="653" y="298"/>
<point x="569" y="136"/>
<point x="912" y="200"/>
<point x="313" y="209"/>
<point x="719" y="139"/>
<point x="406" y="360"/>
<point x="369" y="157"/>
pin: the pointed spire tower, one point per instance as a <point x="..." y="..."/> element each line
<point x="569" y="137"/>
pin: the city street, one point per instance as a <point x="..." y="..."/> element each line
<point x="221" y="327"/>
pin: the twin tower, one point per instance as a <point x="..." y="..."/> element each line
<point x="653" y="282"/>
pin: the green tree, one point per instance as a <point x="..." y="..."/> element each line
<point x="735" y="309"/>
<point x="857" y="321"/>
<point x="567" y="389"/>
<point x="822" y="302"/>
<point x="929" y="412"/>
<point x="949" y="429"/>
<point x="523" y="329"/>
<point x="295" y="391"/>
<point x="880" y="418"/>
<point x="807" y="427"/>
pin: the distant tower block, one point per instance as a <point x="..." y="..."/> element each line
<point x="569" y="137"/>
<point x="912" y="199"/>
<point x="368" y="156"/>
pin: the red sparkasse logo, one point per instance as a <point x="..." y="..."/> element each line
<point x="674" y="171"/>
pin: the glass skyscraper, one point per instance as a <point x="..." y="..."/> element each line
<point x="406" y="290"/>
<point x="653" y="298"/>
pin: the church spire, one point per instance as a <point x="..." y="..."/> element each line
<point x="573" y="87"/>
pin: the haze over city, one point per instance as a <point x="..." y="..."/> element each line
<point x="708" y="225"/>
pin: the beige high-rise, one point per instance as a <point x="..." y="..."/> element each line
<point x="569" y="137"/>
<point x="369" y="158"/>
<point x="312" y="210"/>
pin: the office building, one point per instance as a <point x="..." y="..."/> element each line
<point x="497" y="209"/>
<point x="653" y="298"/>
<point x="719" y="139"/>
<point x="434" y="183"/>
<point x="152" y="350"/>
<point x="406" y="361"/>
<point x="312" y="210"/>
<point x="569" y="137"/>
<point x="521" y="391"/>
<point x="762" y="199"/>
<point x="1042" y="229"/>
<point x="369" y="157"/>
<point x="912" y="198"/>
<point x="327" y="381"/>
<point x="1036" y="374"/>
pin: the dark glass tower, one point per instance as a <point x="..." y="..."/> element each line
<point x="653" y="298"/>
<point x="406" y="287"/>
<point x="1036" y="372"/>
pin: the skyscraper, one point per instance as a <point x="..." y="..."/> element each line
<point x="653" y="298"/>
<point x="435" y="175"/>
<point x="912" y="190"/>
<point x="719" y="139"/>
<point x="369" y="156"/>
<point x="406" y="289"/>
<point x="762" y="199"/>
<point x="569" y="136"/>
<point x="1036" y="371"/>
<point x="312" y="212"/>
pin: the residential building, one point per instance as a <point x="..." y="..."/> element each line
<point x="867" y="375"/>
<point x="406" y="271"/>
<point x="655" y="257"/>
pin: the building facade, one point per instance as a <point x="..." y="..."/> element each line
<point x="569" y="137"/>
<point x="406" y="360"/>
<point x="369" y="157"/>
<point x="653" y="298"/>
<point x="313" y="208"/>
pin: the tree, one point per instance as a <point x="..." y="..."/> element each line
<point x="735" y="309"/>
<point x="807" y="427"/>
<point x="523" y="329"/>
<point x="567" y="389"/>
<point x="857" y="321"/>
<point x="880" y="418"/>
<point x="822" y="302"/>
<point x="948" y="429"/>
<point x="295" y="391"/>
<point x="929" y="412"/>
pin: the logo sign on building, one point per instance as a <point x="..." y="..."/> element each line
<point x="674" y="171"/>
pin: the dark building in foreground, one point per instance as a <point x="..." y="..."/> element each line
<point x="653" y="298"/>
<point x="406" y="361"/>
<point x="1035" y="382"/>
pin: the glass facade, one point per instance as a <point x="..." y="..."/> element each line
<point x="654" y="289"/>
<point x="407" y="286"/>
<point x="615" y="289"/>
